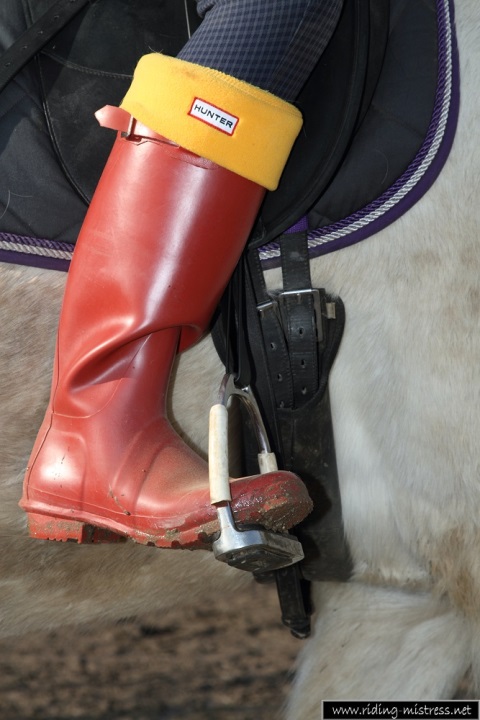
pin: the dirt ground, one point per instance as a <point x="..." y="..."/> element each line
<point x="229" y="661"/>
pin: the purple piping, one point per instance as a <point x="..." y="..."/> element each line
<point x="35" y="252"/>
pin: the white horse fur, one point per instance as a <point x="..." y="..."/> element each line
<point x="405" y="395"/>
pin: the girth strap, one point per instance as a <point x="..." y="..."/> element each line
<point x="300" y="309"/>
<point x="274" y="340"/>
<point x="289" y="324"/>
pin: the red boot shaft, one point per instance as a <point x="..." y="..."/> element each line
<point x="160" y="241"/>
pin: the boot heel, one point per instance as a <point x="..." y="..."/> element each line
<point x="46" y="527"/>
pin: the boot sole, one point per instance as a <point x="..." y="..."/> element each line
<point x="282" y="509"/>
<point x="45" y="527"/>
<point x="89" y="531"/>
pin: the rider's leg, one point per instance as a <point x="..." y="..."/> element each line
<point x="273" y="44"/>
<point x="106" y="455"/>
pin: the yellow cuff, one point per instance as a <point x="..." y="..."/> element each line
<point x="236" y="125"/>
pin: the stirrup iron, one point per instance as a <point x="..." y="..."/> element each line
<point x="253" y="549"/>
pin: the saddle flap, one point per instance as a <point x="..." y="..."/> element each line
<point x="81" y="73"/>
<point x="333" y="101"/>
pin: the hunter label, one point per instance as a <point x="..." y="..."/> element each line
<point x="214" y="116"/>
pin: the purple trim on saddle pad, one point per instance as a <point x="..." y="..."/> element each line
<point x="420" y="174"/>
<point x="35" y="252"/>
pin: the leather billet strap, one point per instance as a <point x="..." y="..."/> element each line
<point x="301" y="312"/>
<point x="36" y="37"/>
<point x="290" y="325"/>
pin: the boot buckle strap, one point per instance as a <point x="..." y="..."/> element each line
<point x="117" y="118"/>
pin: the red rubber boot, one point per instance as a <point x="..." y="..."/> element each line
<point x="157" y="248"/>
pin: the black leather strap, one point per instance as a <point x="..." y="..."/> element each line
<point x="289" y="324"/>
<point x="36" y="37"/>
<point x="273" y="337"/>
<point x="300" y="317"/>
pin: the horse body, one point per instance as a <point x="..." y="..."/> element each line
<point x="405" y="397"/>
